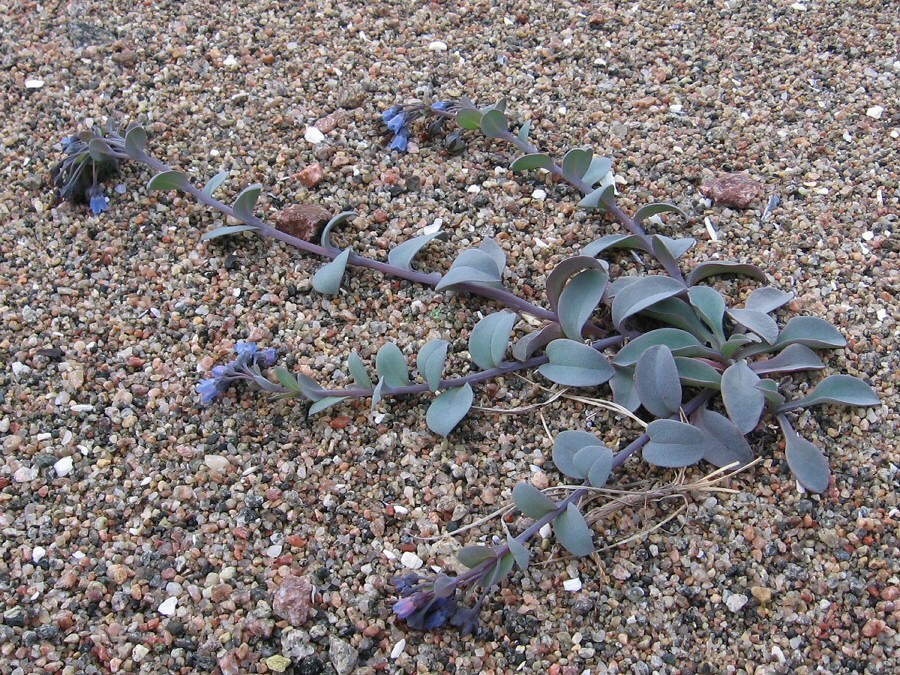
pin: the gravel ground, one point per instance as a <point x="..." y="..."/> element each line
<point x="128" y="547"/>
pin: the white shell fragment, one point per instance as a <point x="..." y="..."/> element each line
<point x="313" y="135"/>
<point x="398" y="649"/>
<point x="31" y="83"/>
<point x="437" y="46"/>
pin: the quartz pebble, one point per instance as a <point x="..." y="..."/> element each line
<point x="411" y="561"/>
<point x="167" y="607"/>
<point x="63" y="467"/>
<point x="293" y="600"/>
<point x="314" y="135"/>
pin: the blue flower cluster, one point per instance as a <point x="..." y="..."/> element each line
<point x="245" y="367"/>
<point x="79" y="175"/>
<point x="423" y="609"/>
<point x="398" y="119"/>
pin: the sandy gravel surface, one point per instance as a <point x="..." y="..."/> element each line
<point x="127" y="546"/>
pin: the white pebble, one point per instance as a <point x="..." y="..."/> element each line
<point x="545" y="531"/>
<point x="33" y="84"/>
<point x="217" y="463"/>
<point x="398" y="649"/>
<point x="539" y="194"/>
<point x="37" y="553"/>
<point x="875" y="112"/>
<point x="167" y="608"/>
<point x="274" y="550"/>
<point x="230" y="61"/>
<point x="438" y="46"/>
<point x="736" y="602"/>
<point x="411" y="560"/>
<point x="572" y="585"/>
<point x="63" y="466"/>
<point x="139" y="653"/>
<point x="313" y="135"/>
<point x="473" y="189"/>
<point x="25" y="474"/>
<point x="19" y="368"/>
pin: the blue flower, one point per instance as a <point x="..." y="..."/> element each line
<point x="397" y="122"/>
<point x="401" y="140"/>
<point x="265" y="358"/>
<point x="405" y="606"/>
<point x="442" y="105"/>
<point x="244" y="367"/>
<point x="98" y="201"/>
<point x="245" y="349"/>
<point x="208" y="389"/>
<point x="390" y="113"/>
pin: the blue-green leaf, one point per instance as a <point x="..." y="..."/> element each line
<point x="767" y="299"/>
<point x="135" y="141"/>
<point x="757" y="322"/>
<point x="430" y="362"/>
<point x="566" y="445"/>
<point x="576" y="163"/>
<point x="598" y="198"/>
<point x="358" y="370"/>
<point x="469" y="118"/>
<point x="99" y="149"/>
<point x="474" y="266"/>
<point x="524" y="131"/>
<point x="376" y="393"/>
<point x="492" y="249"/>
<point x="710" y="269"/>
<point x="498" y="572"/>
<point x="808" y="464"/>
<point x="536" y="160"/>
<point x="614" y="241"/>
<point x="328" y="278"/>
<point x="710" y="306"/>
<point x="531" y="501"/>
<point x="624" y="392"/>
<point x="449" y="408"/>
<point x="246" y="201"/>
<point x="738" y="342"/>
<point x="769" y="388"/>
<point x="573" y="532"/>
<point x="594" y="463"/>
<point x="493" y="124"/>
<point x="473" y="556"/>
<point x="676" y="312"/>
<point x="579" y="299"/>
<point x="518" y="551"/>
<point x="215" y="182"/>
<point x="403" y="254"/>
<point x="655" y="209"/>
<point x="600" y="166"/>
<point x="342" y="217"/>
<point x="812" y="332"/>
<point x="697" y="373"/>
<point x="490" y="338"/>
<point x="675" y="339"/>
<point x="391" y="366"/>
<point x="324" y="403"/>
<point x="574" y="364"/>
<point x="837" y="389"/>
<point x="674" y="444"/>
<point x="792" y="358"/>
<point x="168" y="180"/>
<point x="743" y="401"/>
<point x="286" y="379"/>
<point x="564" y="271"/>
<point x="527" y="345"/>
<point x="732" y="446"/>
<point x="309" y="387"/>
<point x="657" y="382"/>
<point x="226" y="230"/>
<point x="642" y="294"/>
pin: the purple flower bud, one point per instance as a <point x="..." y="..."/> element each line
<point x="404" y="607"/>
<point x="265" y="358"/>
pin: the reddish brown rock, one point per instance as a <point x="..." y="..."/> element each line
<point x="735" y="190"/>
<point x="302" y="220"/>
<point x="312" y="175"/>
<point x="293" y="600"/>
<point x="330" y="122"/>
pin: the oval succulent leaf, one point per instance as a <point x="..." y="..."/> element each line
<point x="642" y="294"/>
<point x="674" y="444"/>
<point x="246" y="201"/>
<point x="792" y="358"/>
<point x="473" y="556"/>
<point x="731" y="447"/>
<point x="760" y="323"/>
<point x="673" y="338"/>
<point x="536" y="160"/>
<point x="579" y="299"/>
<point x="358" y="370"/>
<point x="498" y="572"/>
<point x="518" y="551"/>
<point x="391" y="365"/>
<point x="597" y="198"/>
<point x="674" y="247"/>
<point x="710" y="269"/>
<point x="469" y="118"/>
<point x="430" y="362"/>
<point x="614" y="241"/>
<point x="837" y="389"/>
<point x="286" y="380"/>
<point x="444" y="586"/>
<point x="657" y="382"/>
<point x="573" y="533"/>
<point x="595" y="463"/>
<point x="167" y="180"/>
<point x="743" y="401"/>
<point x="472" y="265"/>
<point x="309" y="387"/>
<point x="215" y="182"/>
<point x="767" y="299"/>
<point x="524" y="131"/>
<point x="376" y="393"/>
<point x="564" y="271"/>
<point x="449" y="409"/>
<point x="324" y="403"/>
<point x="531" y="501"/>
<point x="655" y="209"/>
<point x="493" y="124"/>
<point x="697" y="373"/>
<point x="808" y="464"/>
<point x="403" y="254"/>
<point x="576" y="163"/>
<point x="490" y="339"/>
<point x="812" y="332"/>
<point x="226" y="230"/>
<point x="624" y="392"/>
<point x="342" y="217"/>
<point x="710" y="307"/>
<point x="566" y="445"/>
<point x="135" y="141"/>
<point x="769" y="388"/>
<point x="328" y="278"/>
<point x="527" y="345"/>
<point x="600" y="166"/>
<point x="99" y="149"/>
<point x="492" y="249"/>
<point x="574" y="364"/>
<point x="676" y="312"/>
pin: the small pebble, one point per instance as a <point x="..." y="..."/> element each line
<point x="313" y="135"/>
<point x="63" y="467"/>
<point x="411" y="561"/>
<point x="167" y="607"/>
